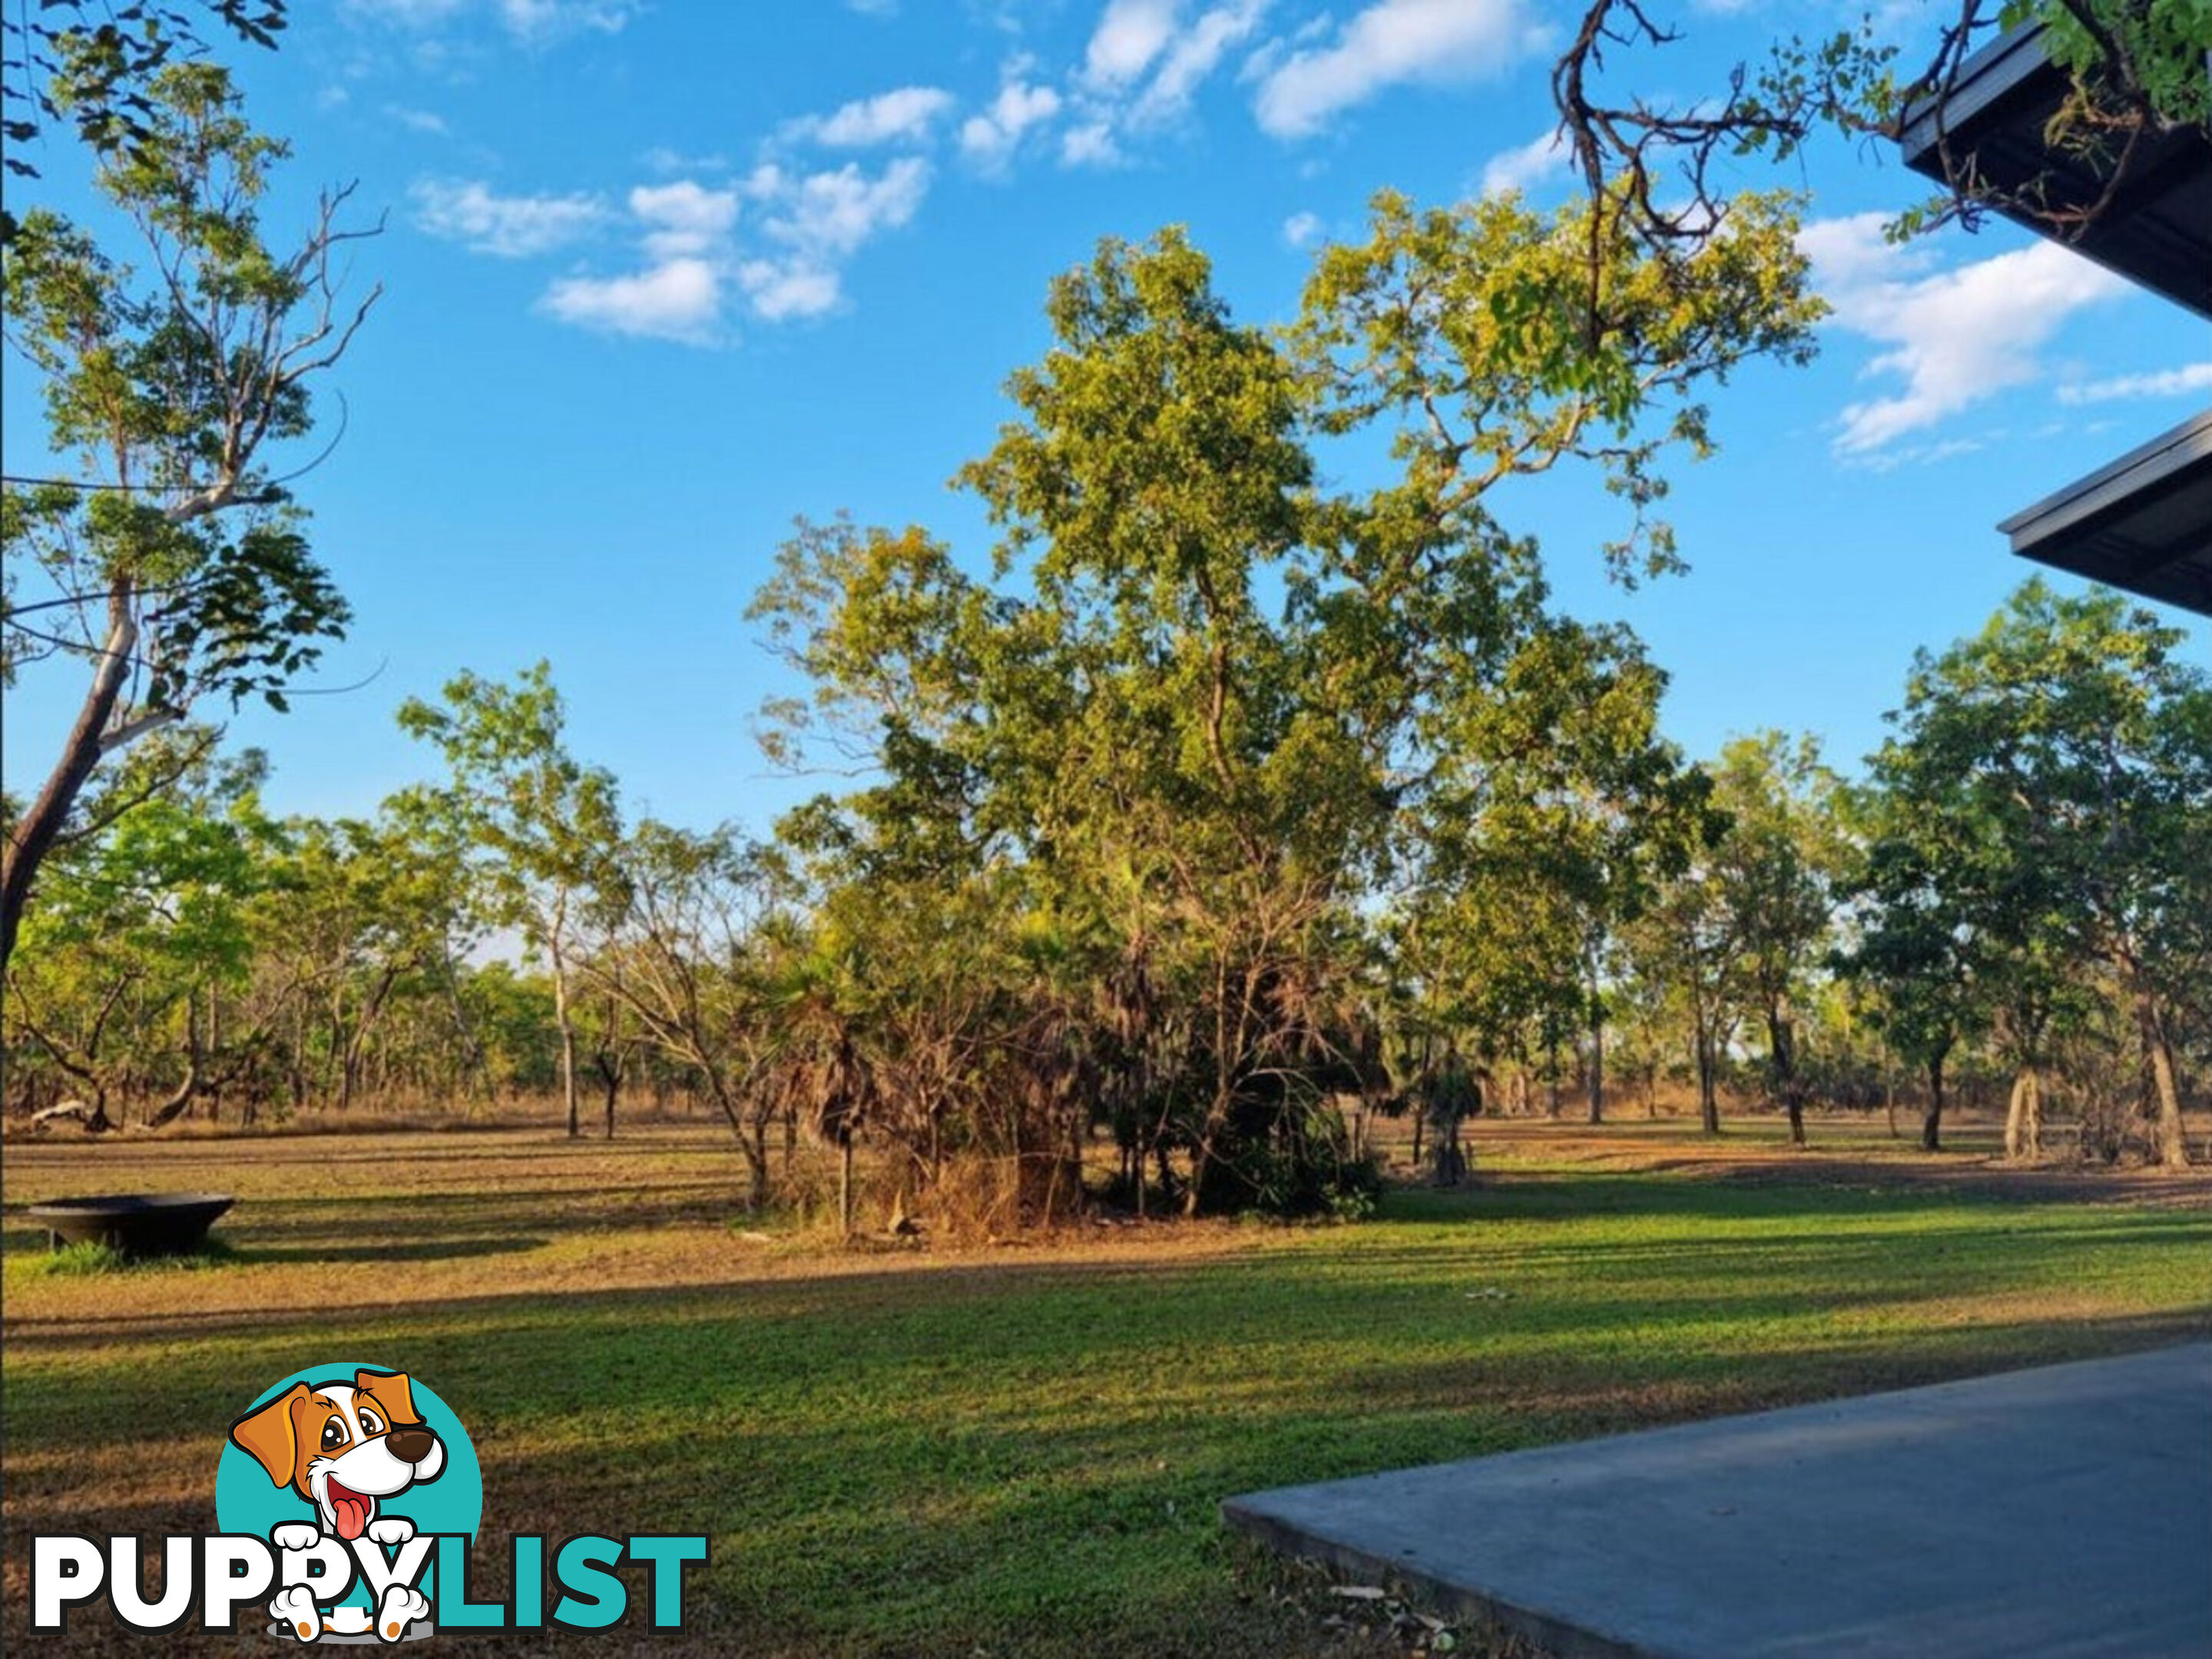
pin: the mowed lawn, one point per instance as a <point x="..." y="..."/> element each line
<point x="1019" y="1450"/>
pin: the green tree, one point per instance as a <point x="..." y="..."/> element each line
<point x="2070" y="749"/>
<point x="542" y="827"/>
<point x="1775" y="870"/>
<point x="169" y="565"/>
<point x="139" y="927"/>
<point x="1207" y="711"/>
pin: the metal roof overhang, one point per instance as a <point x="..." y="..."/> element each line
<point x="2144" y="522"/>
<point x="2157" y="229"/>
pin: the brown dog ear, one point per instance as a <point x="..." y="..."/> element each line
<point x="393" y="1391"/>
<point x="269" y="1435"/>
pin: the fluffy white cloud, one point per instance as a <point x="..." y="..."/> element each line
<point x="512" y="227"/>
<point x="904" y="115"/>
<point x="1302" y="229"/>
<point x="989" y="138"/>
<point x="679" y="300"/>
<point x="2160" y="383"/>
<point x="819" y="221"/>
<point x="1130" y="34"/>
<point x="1389" y="43"/>
<point x="1543" y="157"/>
<point x="1955" y="336"/>
<point x="1191" y="56"/>
<point x="1090" y="145"/>
<point x="687" y="220"/>
<point x="1144" y="65"/>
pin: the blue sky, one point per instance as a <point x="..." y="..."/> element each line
<point x="659" y="278"/>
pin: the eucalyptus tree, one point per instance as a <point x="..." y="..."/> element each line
<point x="542" y="827"/>
<point x="161" y="558"/>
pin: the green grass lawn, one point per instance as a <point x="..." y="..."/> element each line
<point x="1021" y="1451"/>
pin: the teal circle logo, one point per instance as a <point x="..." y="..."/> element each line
<point x="292" y="1452"/>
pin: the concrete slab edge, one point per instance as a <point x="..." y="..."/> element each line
<point x="1554" y="1634"/>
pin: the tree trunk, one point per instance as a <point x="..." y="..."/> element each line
<point x="568" y="1030"/>
<point x="35" y="832"/>
<point x="1931" y="1126"/>
<point x="2158" y="1048"/>
<point x="2023" y="1133"/>
<point x="173" y="1107"/>
<point x="1553" y="1103"/>
<point x="1596" y="1063"/>
<point x="1709" y="1100"/>
<point x="1781" y="1062"/>
<point x="845" y="1185"/>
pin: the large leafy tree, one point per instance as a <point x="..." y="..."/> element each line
<point x="2067" y="749"/>
<point x="1209" y="710"/>
<point x="165" y="564"/>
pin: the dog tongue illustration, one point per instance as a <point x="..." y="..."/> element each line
<point x="350" y="1510"/>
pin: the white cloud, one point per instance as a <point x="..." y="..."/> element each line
<point x="1954" y="336"/>
<point x="1144" y="66"/>
<point x="904" y="115"/>
<point x="2160" y="383"/>
<point x="819" y="221"/>
<point x="1130" y="34"/>
<point x="780" y="291"/>
<point x="511" y="226"/>
<point x="990" y="138"/>
<point x="679" y="301"/>
<point x="1302" y="229"/>
<point x="687" y="219"/>
<point x="1388" y="44"/>
<point x="1090" y="145"/>
<point x="1542" y="158"/>
<point x="1193" y="56"/>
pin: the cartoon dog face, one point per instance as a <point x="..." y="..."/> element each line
<point x="342" y="1446"/>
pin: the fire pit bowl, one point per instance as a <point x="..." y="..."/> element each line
<point x="137" y="1224"/>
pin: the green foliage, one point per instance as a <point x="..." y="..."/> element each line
<point x="171" y="567"/>
<point x="2050" y="786"/>
<point x="1140" y="798"/>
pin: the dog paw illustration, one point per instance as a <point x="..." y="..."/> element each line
<point x="294" y="1608"/>
<point x="294" y="1535"/>
<point x="398" y="1608"/>
<point x="391" y="1530"/>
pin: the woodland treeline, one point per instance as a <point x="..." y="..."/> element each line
<point x="1220" y="804"/>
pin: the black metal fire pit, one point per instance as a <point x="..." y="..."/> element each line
<point x="137" y="1224"/>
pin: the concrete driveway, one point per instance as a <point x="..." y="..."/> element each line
<point x="2060" y="1511"/>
